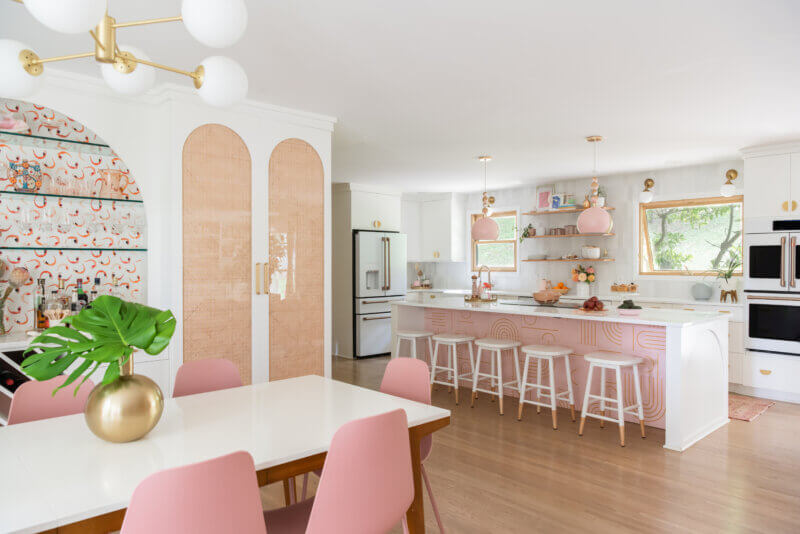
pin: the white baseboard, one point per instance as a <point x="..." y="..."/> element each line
<point x="771" y="394"/>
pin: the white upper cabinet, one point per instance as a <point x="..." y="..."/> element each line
<point x="374" y="211"/>
<point x="794" y="195"/>
<point x="767" y="186"/>
<point x="436" y="227"/>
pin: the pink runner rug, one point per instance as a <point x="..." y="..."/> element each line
<point x="746" y="408"/>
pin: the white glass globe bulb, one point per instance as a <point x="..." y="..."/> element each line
<point x="15" y="82"/>
<point x="646" y="197"/>
<point x="224" y="81"/>
<point x="213" y="22"/>
<point x="727" y="190"/>
<point x="67" y="16"/>
<point x="136" y="82"/>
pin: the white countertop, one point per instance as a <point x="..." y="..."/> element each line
<point x="636" y="297"/>
<point x="648" y="316"/>
<point x="57" y="472"/>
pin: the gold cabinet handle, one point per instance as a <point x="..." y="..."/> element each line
<point x="765" y="371"/>
<point x="785" y="205"/>
<point x="724" y="311"/>
<point x="794" y="205"/>
<point x="376" y="224"/>
<point x="433" y="296"/>
<point x="259" y="281"/>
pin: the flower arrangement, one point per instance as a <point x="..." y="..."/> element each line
<point x="584" y="274"/>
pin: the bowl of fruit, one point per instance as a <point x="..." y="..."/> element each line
<point x="561" y="288"/>
<point x="629" y="308"/>
<point x="593" y="305"/>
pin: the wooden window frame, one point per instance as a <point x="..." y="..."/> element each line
<point x="644" y="236"/>
<point x="474" y="244"/>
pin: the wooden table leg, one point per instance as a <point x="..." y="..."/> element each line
<point x="415" y="517"/>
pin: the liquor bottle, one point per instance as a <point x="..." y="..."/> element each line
<point x="63" y="296"/>
<point x="95" y="289"/>
<point x="115" y="290"/>
<point x="74" y="305"/>
<point x="40" y="319"/>
<point x="83" y="298"/>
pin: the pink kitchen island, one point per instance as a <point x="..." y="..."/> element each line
<point x="684" y="375"/>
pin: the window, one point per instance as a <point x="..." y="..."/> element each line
<point x="690" y="237"/>
<point x="501" y="254"/>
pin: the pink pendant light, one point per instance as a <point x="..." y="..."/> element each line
<point x="485" y="228"/>
<point x="595" y="220"/>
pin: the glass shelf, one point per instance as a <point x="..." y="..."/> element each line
<point x="77" y="249"/>
<point x="40" y="141"/>
<point x="55" y="195"/>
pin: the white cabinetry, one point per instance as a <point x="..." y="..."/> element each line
<point x="439" y="231"/>
<point x="772" y="181"/>
<point x="374" y="211"/>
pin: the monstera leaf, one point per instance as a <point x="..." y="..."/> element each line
<point x="107" y="332"/>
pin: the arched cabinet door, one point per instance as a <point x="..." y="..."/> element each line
<point x="296" y="260"/>
<point x="217" y="248"/>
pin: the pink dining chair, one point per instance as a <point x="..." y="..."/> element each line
<point x="366" y="484"/>
<point x="202" y="376"/>
<point x="35" y="400"/>
<point x="218" y="495"/>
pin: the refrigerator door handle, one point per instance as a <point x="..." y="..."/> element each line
<point x="389" y="263"/>
<point x="383" y="241"/>
<point x="792" y="256"/>
<point x="783" y="261"/>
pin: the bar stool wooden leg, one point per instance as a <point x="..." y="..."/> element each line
<point x="523" y="386"/>
<point x="621" y="408"/>
<point x="585" y="406"/>
<point x="569" y="388"/>
<point x="538" y="383"/>
<point x="553" y="406"/>
<point x="475" y="376"/>
<point x="603" y="395"/>
<point x="638" y="388"/>
<point x="500" y="378"/>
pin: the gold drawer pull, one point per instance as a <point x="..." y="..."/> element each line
<point x="376" y="224"/>
<point x="765" y="372"/>
<point x="724" y="311"/>
<point x="785" y="205"/>
<point x="794" y="205"/>
<point x="433" y="296"/>
<point x="689" y="309"/>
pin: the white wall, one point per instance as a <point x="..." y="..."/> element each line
<point x="623" y="194"/>
<point x="148" y="133"/>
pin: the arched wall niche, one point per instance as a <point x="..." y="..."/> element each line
<point x="70" y="208"/>
<point x="217" y="247"/>
<point x="296" y="260"/>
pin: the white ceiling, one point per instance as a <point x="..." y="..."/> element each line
<point x="421" y="87"/>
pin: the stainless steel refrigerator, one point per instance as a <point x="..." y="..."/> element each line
<point x="379" y="269"/>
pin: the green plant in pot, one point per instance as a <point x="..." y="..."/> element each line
<point x="725" y="274"/>
<point x="124" y="406"/>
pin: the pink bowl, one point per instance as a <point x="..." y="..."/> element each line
<point x="594" y="221"/>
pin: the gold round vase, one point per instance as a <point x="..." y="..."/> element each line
<point x="124" y="410"/>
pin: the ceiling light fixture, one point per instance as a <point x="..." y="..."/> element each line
<point x="219" y="81"/>
<point x="728" y="189"/>
<point x="485" y="228"/>
<point x="595" y="220"/>
<point x="646" y="196"/>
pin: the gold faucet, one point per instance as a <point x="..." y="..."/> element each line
<point x="481" y="289"/>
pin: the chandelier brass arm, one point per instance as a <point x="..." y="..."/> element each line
<point x="147" y="21"/>
<point x="196" y="75"/>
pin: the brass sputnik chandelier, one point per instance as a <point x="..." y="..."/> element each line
<point x="220" y="81"/>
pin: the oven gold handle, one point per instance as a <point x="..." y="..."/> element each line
<point x="765" y="371"/>
<point x="753" y="297"/>
<point x="783" y="262"/>
<point x="792" y="256"/>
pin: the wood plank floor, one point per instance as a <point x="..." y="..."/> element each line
<point x="496" y="474"/>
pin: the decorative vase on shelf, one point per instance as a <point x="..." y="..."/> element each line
<point x="584" y="290"/>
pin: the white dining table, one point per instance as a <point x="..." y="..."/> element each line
<point x="58" y="477"/>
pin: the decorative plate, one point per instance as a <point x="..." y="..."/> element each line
<point x="25" y="176"/>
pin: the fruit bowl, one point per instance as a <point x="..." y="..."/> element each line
<point x="561" y="290"/>
<point x="548" y="297"/>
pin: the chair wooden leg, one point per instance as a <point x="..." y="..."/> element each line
<point x="641" y="424"/>
<point x="622" y="435"/>
<point x="572" y="411"/>
<point x="583" y="422"/>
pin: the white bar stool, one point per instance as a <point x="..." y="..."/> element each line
<point x="615" y="362"/>
<point x="495" y="347"/>
<point x="549" y="354"/>
<point x="412" y="336"/>
<point x="451" y="341"/>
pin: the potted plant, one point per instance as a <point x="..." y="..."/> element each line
<point x="585" y="277"/>
<point x="725" y="274"/>
<point x="124" y="406"/>
<point x="528" y="231"/>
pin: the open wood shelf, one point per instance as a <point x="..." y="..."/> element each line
<point x="570" y="210"/>
<point x="570" y="235"/>
<point x="575" y="260"/>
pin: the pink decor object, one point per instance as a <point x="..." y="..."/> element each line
<point x="595" y="221"/>
<point x="409" y="378"/>
<point x="218" y="495"/>
<point x="35" y="400"/>
<point x="366" y="485"/>
<point x="746" y="408"/>
<point x="202" y="376"/>
<point x="485" y="229"/>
